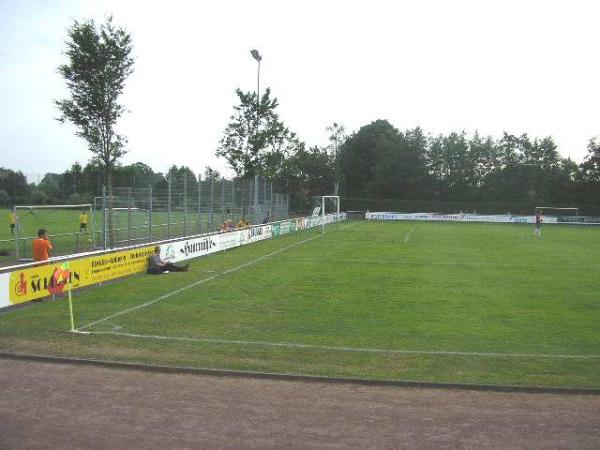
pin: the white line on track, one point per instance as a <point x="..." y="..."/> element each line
<point x="408" y="235"/>
<point x="347" y="349"/>
<point x="196" y="283"/>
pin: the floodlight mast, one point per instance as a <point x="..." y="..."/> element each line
<point x="258" y="58"/>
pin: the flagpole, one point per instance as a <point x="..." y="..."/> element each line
<point x="70" y="299"/>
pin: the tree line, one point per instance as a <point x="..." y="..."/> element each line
<point x="80" y="184"/>
<point x="380" y="162"/>
<point x="381" y="167"/>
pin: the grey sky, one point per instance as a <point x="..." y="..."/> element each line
<point x="520" y="66"/>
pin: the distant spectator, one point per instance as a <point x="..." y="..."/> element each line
<point x="243" y="223"/>
<point x="157" y="266"/>
<point x="83" y="219"/>
<point x="267" y="218"/>
<point x="12" y="220"/>
<point x="41" y="246"/>
<point x="227" y="226"/>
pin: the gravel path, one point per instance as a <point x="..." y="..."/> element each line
<point x="46" y="405"/>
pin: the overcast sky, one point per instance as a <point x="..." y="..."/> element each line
<point x="520" y="66"/>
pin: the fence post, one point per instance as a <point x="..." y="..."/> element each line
<point x="232" y="197"/>
<point x="129" y="201"/>
<point x="212" y="201"/>
<point x="169" y="208"/>
<point x="271" y="207"/>
<point x="150" y="217"/>
<point x="223" y="198"/>
<point x="255" y="220"/>
<point x="17" y="226"/>
<point x="185" y="221"/>
<point x="199" y="222"/>
<point x="104" y="217"/>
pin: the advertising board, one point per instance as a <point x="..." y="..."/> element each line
<point x="4" y="283"/>
<point x="52" y="279"/>
<point x="190" y="248"/>
<point x="433" y="217"/>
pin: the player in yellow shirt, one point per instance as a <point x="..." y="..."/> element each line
<point x="83" y="219"/>
<point x="12" y="220"/>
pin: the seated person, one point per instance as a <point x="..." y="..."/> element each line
<point x="241" y="224"/>
<point x="230" y="225"/>
<point x="157" y="266"/>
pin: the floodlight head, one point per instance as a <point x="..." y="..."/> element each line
<point x="256" y="55"/>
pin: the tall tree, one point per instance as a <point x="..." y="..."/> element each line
<point x="99" y="62"/>
<point x="337" y="136"/>
<point x="211" y="174"/>
<point x="255" y="135"/>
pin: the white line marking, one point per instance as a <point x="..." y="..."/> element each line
<point x="348" y="349"/>
<point x="348" y="226"/>
<point x="408" y="235"/>
<point x="196" y="283"/>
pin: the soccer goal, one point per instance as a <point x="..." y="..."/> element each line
<point x="558" y="212"/>
<point x="329" y="207"/>
<point x="64" y="224"/>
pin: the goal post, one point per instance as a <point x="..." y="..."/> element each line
<point x="62" y="223"/>
<point x="328" y="204"/>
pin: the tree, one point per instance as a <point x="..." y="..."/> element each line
<point x="99" y="62"/>
<point x="590" y="174"/>
<point x="337" y="136"/>
<point x="15" y="185"/>
<point x="255" y="136"/>
<point x="360" y="153"/>
<point x="211" y="174"/>
<point x="308" y="173"/>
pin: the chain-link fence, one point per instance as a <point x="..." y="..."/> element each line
<point x="184" y="207"/>
<point x="181" y="206"/>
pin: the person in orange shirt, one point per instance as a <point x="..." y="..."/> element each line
<point x="41" y="246"/>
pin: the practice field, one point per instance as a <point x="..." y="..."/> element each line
<point x="438" y="302"/>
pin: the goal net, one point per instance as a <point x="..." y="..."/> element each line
<point x="71" y="228"/>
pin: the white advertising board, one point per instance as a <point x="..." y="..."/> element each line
<point x="258" y="233"/>
<point x="4" y="287"/>
<point x="432" y="217"/>
<point x="189" y="248"/>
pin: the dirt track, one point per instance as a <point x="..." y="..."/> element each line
<point x="45" y="405"/>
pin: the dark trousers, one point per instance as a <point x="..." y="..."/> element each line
<point x="167" y="267"/>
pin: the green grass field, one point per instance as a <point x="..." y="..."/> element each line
<point x="466" y="303"/>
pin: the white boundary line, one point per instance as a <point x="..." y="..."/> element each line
<point x="347" y="349"/>
<point x="196" y="283"/>
<point x="408" y="235"/>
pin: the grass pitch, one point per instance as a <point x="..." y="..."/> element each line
<point x="467" y="303"/>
